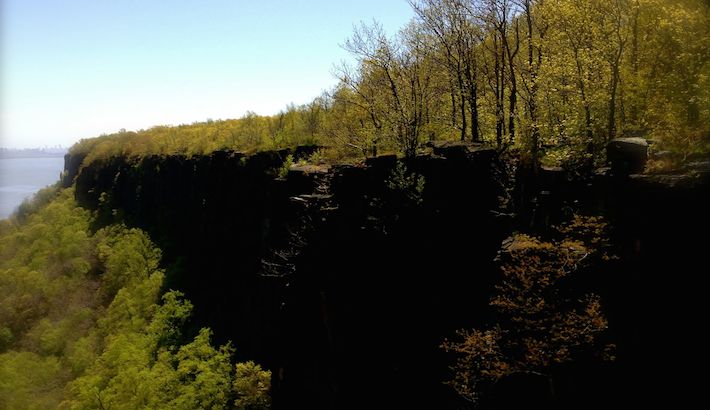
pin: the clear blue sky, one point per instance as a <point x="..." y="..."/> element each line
<point x="73" y="69"/>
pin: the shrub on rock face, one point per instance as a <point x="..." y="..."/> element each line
<point x="542" y="320"/>
<point x="251" y="385"/>
<point x="409" y="185"/>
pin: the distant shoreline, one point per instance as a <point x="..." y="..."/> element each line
<point x="31" y="156"/>
<point x="6" y="153"/>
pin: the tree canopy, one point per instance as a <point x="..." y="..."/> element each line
<point x="85" y="323"/>
<point x="540" y="319"/>
<point x="555" y="79"/>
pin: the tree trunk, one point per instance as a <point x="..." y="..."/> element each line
<point x="475" y="135"/>
<point x="532" y="102"/>
<point x="587" y="111"/>
<point x="513" y="98"/>
<point x="471" y="79"/>
<point x="498" y="72"/>
<point x="462" y="106"/>
<point x="611" y="126"/>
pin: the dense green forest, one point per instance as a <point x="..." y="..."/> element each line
<point x="554" y="79"/>
<point x="86" y="324"/>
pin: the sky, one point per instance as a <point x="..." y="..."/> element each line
<point x="73" y="69"/>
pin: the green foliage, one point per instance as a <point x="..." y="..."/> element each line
<point x="30" y="381"/>
<point x="295" y="126"/>
<point x="37" y="201"/>
<point x="41" y="261"/>
<point x="317" y="158"/>
<point x="127" y="256"/>
<point x="288" y="163"/>
<point x="252" y="385"/>
<point x="541" y="320"/>
<point x="45" y="287"/>
<point x="409" y="184"/>
<point x="555" y="78"/>
<point x="83" y="324"/>
<point x="133" y="372"/>
<point x="207" y="371"/>
<point x="169" y="319"/>
<point x="5" y="338"/>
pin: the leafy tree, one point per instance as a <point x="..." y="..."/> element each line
<point x="458" y="36"/>
<point x="127" y="256"/>
<point x="393" y="82"/>
<point x="542" y="320"/>
<point x="554" y="78"/>
<point x="251" y="385"/>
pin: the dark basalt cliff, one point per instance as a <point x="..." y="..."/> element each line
<point x="344" y="287"/>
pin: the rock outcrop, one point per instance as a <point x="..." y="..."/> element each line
<point x="337" y="280"/>
<point x="627" y="155"/>
<point x="344" y="283"/>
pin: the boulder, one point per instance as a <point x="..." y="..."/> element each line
<point x="381" y="163"/>
<point x="455" y="149"/>
<point x="627" y="155"/>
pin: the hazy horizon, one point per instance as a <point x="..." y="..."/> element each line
<point x="78" y="69"/>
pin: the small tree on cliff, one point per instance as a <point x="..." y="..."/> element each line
<point x="542" y="321"/>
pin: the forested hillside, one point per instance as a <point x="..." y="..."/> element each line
<point x="85" y="322"/>
<point x="555" y="79"/>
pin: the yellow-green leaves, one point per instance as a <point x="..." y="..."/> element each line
<point x="83" y="324"/>
<point x="251" y="385"/>
<point x="128" y="258"/>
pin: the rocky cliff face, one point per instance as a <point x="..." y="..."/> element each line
<point x="340" y="283"/>
<point x="344" y="284"/>
<point x="654" y="293"/>
<point x="661" y="226"/>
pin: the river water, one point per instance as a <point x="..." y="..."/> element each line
<point x="20" y="178"/>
